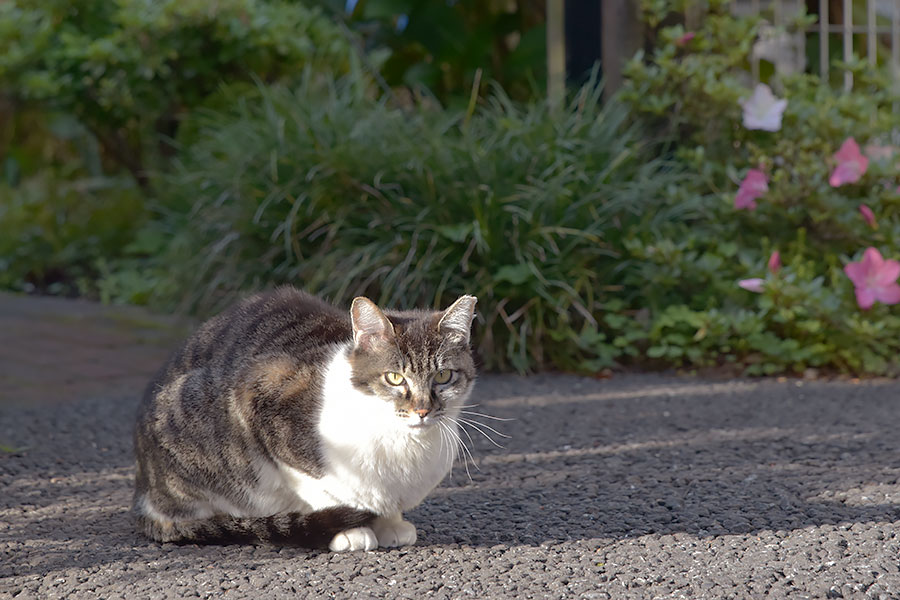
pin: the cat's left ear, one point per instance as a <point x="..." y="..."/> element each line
<point x="457" y="320"/>
<point x="370" y="326"/>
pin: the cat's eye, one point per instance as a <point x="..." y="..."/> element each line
<point x="394" y="378"/>
<point x="443" y="376"/>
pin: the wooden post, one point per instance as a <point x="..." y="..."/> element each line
<point x="556" y="53"/>
<point x="621" y="38"/>
<point x="848" y="42"/>
<point x="824" y="31"/>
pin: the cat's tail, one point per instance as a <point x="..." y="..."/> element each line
<point x="313" y="530"/>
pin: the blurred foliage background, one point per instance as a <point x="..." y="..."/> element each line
<point x="179" y="154"/>
<point x="438" y="47"/>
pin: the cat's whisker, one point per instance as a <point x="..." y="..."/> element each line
<point x="441" y="431"/>
<point x="462" y="428"/>
<point x="467" y="456"/>
<point x="486" y="426"/>
<point x="446" y="442"/>
<point x="471" y="441"/>
<point x="476" y="427"/>
<point x="466" y="453"/>
<point x="465" y="466"/>
<point x="478" y="414"/>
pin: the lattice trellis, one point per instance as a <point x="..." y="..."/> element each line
<point x="882" y="20"/>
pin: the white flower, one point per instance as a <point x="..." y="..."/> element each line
<point x="763" y="110"/>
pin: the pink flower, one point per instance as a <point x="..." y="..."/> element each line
<point x="754" y="284"/>
<point x="752" y="187"/>
<point x="851" y="164"/>
<point x="875" y="279"/>
<point x="684" y="39"/>
<point x="868" y="216"/>
<point x="774" y="262"/>
<point x="763" y="110"/>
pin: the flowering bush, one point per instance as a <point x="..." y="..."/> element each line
<point x="788" y="169"/>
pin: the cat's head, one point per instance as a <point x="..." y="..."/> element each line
<point x="420" y="361"/>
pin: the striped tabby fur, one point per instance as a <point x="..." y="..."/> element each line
<point x="282" y="421"/>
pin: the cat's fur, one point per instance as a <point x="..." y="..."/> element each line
<point x="275" y="422"/>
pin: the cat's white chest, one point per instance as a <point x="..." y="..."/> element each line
<point x="372" y="459"/>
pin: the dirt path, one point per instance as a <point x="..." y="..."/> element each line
<point x="635" y="487"/>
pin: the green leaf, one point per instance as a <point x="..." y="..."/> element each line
<point x="514" y="274"/>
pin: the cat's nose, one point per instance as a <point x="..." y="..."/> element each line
<point x="422" y="412"/>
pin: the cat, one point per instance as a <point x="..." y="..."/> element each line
<point x="286" y="420"/>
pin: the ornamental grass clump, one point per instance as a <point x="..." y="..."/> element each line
<point x="328" y="188"/>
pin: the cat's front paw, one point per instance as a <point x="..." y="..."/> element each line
<point x="392" y="533"/>
<point x="358" y="538"/>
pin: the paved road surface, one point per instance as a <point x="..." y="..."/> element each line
<point x="633" y="487"/>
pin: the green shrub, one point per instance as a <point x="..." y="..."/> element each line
<point x="90" y="88"/>
<point x="54" y="229"/>
<point x="340" y="194"/>
<point x="60" y="214"/>
<point x="131" y="70"/>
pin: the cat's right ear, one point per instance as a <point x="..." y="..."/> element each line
<point x="456" y="321"/>
<point x="370" y="326"/>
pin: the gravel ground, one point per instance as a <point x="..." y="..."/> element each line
<point x="634" y="487"/>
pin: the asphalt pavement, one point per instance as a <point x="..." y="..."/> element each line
<point x="637" y="486"/>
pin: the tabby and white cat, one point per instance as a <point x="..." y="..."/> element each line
<point x="286" y="420"/>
